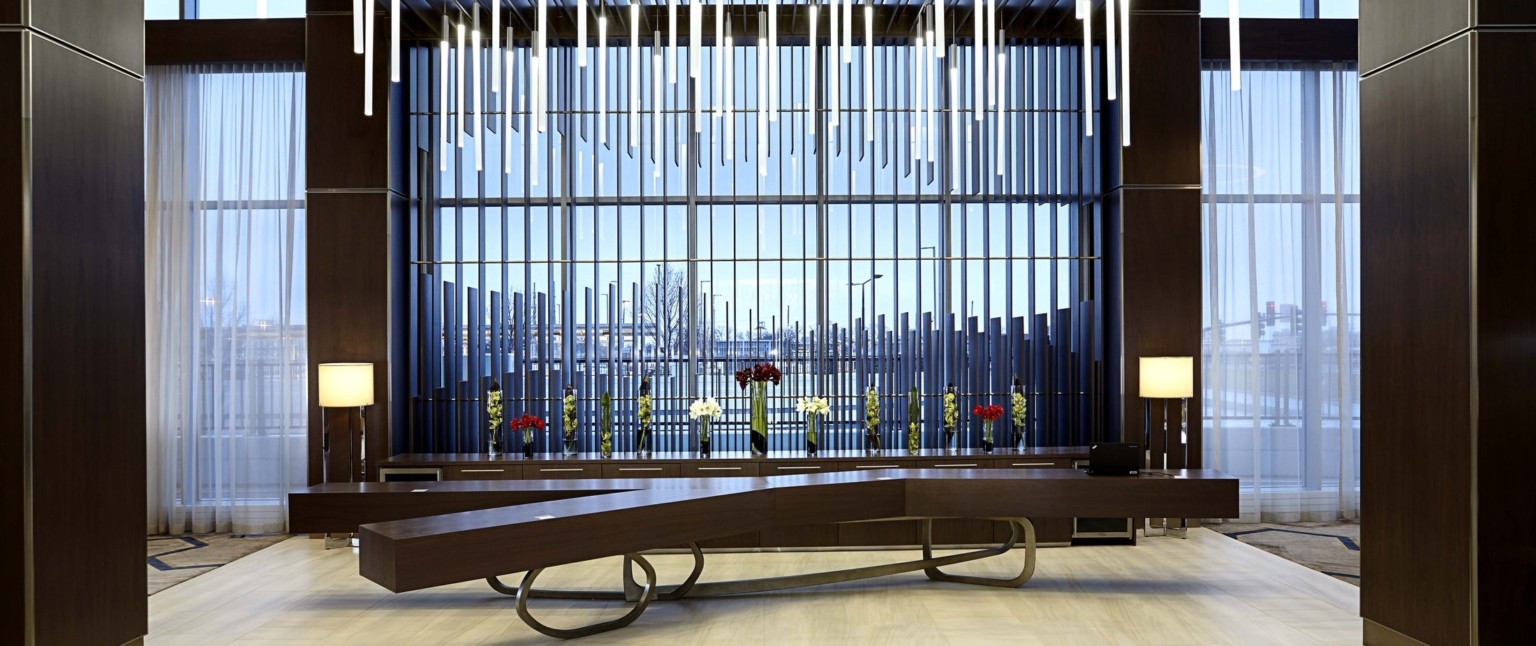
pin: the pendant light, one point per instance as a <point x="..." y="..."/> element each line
<point x="602" y="77"/>
<point x="459" y="87"/>
<point x="1002" y="113"/>
<point x="762" y="91"/>
<point x="506" y="107"/>
<point x="656" y="75"/>
<point x="938" y="31"/>
<point x="442" y="97"/>
<point x="672" y="34"/>
<point x="495" y="45"/>
<point x="848" y="32"/>
<point x="1125" y="72"/>
<point x="914" y="134"/>
<point x="261" y="9"/>
<point x="718" y="108"/>
<point x="954" y="118"/>
<point x="834" y="72"/>
<point x="1234" y="37"/>
<point x="812" y="59"/>
<point x="696" y="55"/>
<point x="368" y="63"/>
<point x="773" y="60"/>
<point x="979" y="61"/>
<point x="394" y="37"/>
<point x="634" y="75"/>
<point x="932" y="65"/>
<point x="581" y="33"/>
<point x="869" y="68"/>
<point x="730" y="93"/>
<point x="991" y="54"/>
<point x="357" y="26"/>
<point x="1087" y="70"/>
<point x="1111" y="51"/>
<point x="479" y="84"/>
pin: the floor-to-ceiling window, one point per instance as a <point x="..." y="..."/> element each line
<point x="1282" y="287"/>
<point x="225" y="262"/>
<point x="695" y="233"/>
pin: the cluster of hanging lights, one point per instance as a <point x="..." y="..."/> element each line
<point x="931" y="44"/>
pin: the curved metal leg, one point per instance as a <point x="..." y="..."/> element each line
<point x="1019" y="526"/>
<point x="631" y="588"/>
<point x="647" y="593"/>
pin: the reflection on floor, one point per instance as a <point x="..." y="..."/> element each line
<point x="173" y="559"/>
<point x="1204" y="590"/>
<point x="1330" y="548"/>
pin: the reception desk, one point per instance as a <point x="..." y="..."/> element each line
<point x="452" y="467"/>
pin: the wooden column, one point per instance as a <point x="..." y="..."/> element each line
<point x="72" y="491"/>
<point x="1447" y="234"/>
<point x="357" y="252"/>
<point x="1152" y="221"/>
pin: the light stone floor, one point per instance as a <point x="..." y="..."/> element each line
<point x="1204" y="590"/>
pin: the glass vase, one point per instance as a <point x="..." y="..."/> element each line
<point x="872" y="440"/>
<point x="528" y="445"/>
<point x="986" y="436"/>
<point x="949" y="441"/>
<point x="568" y="444"/>
<point x="492" y="447"/>
<point x="810" y="435"/>
<point x="914" y="439"/>
<point x="759" y="417"/>
<point x="704" y="437"/>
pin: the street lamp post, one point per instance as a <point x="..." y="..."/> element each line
<point x="864" y="313"/>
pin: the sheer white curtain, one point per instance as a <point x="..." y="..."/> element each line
<point x="225" y="281"/>
<point x="1282" y="282"/>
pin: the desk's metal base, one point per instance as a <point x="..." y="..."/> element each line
<point x="642" y="594"/>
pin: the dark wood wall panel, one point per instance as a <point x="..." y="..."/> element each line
<point x="1505" y="12"/>
<point x="1415" y="287"/>
<point x="1283" y="39"/>
<point x="183" y="42"/>
<point x="1401" y="27"/>
<point x="110" y="29"/>
<point x="1165" y="100"/>
<point x="346" y="149"/>
<point x="1506" y="327"/>
<point x="13" y="346"/>
<point x="1160" y="246"/>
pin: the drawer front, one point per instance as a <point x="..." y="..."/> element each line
<point x="562" y="472"/>
<point x="797" y="467"/>
<point x="867" y="465"/>
<point x="484" y="473"/>
<point x="955" y="464"/>
<point x="641" y="470"/>
<point x="1031" y="463"/>
<point x="719" y="470"/>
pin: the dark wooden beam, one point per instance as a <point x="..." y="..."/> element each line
<point x="1283" y="40"/>
<point x="186" y="42"/>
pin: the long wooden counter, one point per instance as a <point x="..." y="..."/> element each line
<point x="955" y="531"/>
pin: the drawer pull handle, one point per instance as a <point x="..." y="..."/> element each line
<point x="875" y="466"/>
<point x="559" y="470"/>
<point x="482" y="470"/>
<point x="796" y="468"/>
<point x="719" y="468"/>
<point x="639" y="468"/>
<point x="954" y="465"/>
<point x="1034" y="464"/>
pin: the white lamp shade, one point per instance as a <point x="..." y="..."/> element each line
<point x="346" y="385"/>
<point x="1167" y="377"/>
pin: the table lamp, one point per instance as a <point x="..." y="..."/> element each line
<point x="345" y="385"/>
<point x="1167" y="378"/>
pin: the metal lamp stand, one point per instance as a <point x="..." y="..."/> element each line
<point x="349" y="539"/>
<point x="1182" y="530"/>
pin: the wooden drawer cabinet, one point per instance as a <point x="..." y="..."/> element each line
<point x="957" y="463"/>
<point x="1031" y="463"/>
<point x="642" y="470"/>
<point x="571" y="471"/>
<point x="865" y="465"/>
<point x="719" y="470"/>
<point x="483" y="473"/>
<point x="797" y="467"/>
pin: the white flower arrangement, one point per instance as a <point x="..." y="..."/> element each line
<point x="816" y="406"/>
<point x="704" y="408"/>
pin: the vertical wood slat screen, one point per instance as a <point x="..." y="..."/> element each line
<point x="694" y="264"/>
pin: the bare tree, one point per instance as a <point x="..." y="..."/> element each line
<point x="663" y="309"/>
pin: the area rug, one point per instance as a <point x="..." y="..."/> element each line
<point x="1330" y="548"/>
<point x="173" y="559"/>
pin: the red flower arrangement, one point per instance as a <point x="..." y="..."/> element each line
<point x="988" y="413"/>
<point x="758" y="372"/>
<point x="527" y="422"/>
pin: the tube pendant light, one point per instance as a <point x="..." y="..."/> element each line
<point x="479" y="107"/>
<point x="442" y="97"/>
<point x="459" y="88"/>
<point x="602" y="77"/>
<point x="581" y="33"/>
<point x="869" y="70"/>
<point x="932" y="65"/>
<point x="718" y="109"/>
<point x="634" y="74"/>
<point x="992" y="47"/>
<point x="368" y="62"/>
<point x="696" y="55"/>
<point x="656" y="75"/>
<point x="954" y="118"/>
<point x="834" y="74"/>
<point x="773" y="60"/>
<point x="762" y="91"/>
<point x="1234" y="37"/>
<point x="1111" y="51"/>
<point x="261" y="9"/>
<point x="812" y="60"/>
<point x="938" y="28"/>
<point x="848" y="32"/>
<point x="394" y="38"/>
<point x="357" y="26"/>
<point x="979" y="60"/>
<point x="915" y="133"/>
<point x="730" y="93"/>
<point x="540" y="73"/>
<point x="506" y="108"/>
<point x="495" y="45"/>
<point x="1002" y="113"/>
<point x="672" y="36"/>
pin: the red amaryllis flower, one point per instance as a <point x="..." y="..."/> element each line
<point x="758" y="372"/>
<point x="988" y="413"/>
<point x="527" y="421"/>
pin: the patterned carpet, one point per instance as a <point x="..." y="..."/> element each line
<point x="1330" y="548"/>
<point x="173" y="559"/>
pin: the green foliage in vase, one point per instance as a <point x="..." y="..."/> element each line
<point x="914" y="419"/>
<point x="951" y="412"/>
<point x="569" y="415"/>
<point x="871" y="409"/>
<point x="1019" y="408"/>
<point x="493" y="408"/>
<point x="605" y="424"/>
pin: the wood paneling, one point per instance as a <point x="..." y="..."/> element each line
<point x="1165" y="122"/>
<point x="1401" y="27"/>
<point x="183" y="42"/>
<point x="72" y="189"/>
<point x="1505" y="13"/>
<point x="345" y="149"/>
<point x="1506" y="332"/>
<point x="1281" y="39"/>
<point x="1415" y="282"/>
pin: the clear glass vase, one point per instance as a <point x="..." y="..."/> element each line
<point x="986" y="436"/>
<point x="759" y="417"/>
<point x="568" y="444"/>
<point x="704" y="439"/>
<point x="810" y="435"/>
